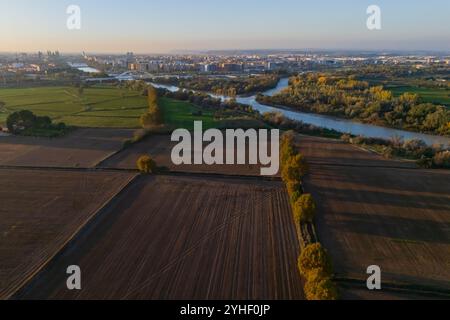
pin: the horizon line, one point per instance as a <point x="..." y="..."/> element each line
<point x="206" y="51"/>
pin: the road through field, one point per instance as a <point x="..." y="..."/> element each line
<point x="183" y="238"/>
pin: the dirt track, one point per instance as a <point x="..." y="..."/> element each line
<point x="369" y="214"/>
<point x="40" y="210"/>
<point x="184" y="238"/>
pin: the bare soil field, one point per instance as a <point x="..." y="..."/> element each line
<point x="40" y="210"/>
<point x="183" y="238"/>
<point x="81" y="148"/>
<point x="396" y="218"/>
<point x="329" y="151"/>
<point x="160" y="148"/>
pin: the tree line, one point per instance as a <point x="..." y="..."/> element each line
<point x="314" y="262"/>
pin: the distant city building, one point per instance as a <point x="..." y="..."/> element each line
<point x="231" y="67"/>
<point x="209" y="67"/>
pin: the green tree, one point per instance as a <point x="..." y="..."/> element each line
<point x="20" y="121"/>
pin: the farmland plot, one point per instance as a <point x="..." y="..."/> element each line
<point x="40" y="211"/>
<point x="81" y="148"/>
<point x="396" y="218"/>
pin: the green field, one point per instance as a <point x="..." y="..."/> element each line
<point x="107" y="106"/>
<point x="437" y="96"/>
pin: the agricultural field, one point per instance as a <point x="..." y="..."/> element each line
<point x="80" y="148"/>
<point x="160" y="148"/>
<point x="97" y="106"/>
<point x="107" y="107"/>
<point x="40" y="211"/>
<point x="328" y="151"/>
<point x="180" y="114"/>
<point x="387" y="215"/>
<point x="183" y="238"/>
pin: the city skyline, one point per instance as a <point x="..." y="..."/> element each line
<point x="169" y="26"/>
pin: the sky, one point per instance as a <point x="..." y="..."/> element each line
<point x="158" y="26"/>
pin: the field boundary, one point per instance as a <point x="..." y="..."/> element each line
<point x="21" y="286"/>
<point x="162" y="173"/>
<point x="331" y="164"/>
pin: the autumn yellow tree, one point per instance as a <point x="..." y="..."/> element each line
<point x="294" y="168"/>
<point x="146" y="164"/>
<point x="154" y="115"/>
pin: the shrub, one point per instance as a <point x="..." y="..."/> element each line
<point x="146" y="164"/>
<point x="304" y="209"/>
<point x="20" y="121"/>
<point x="314" y="257"/>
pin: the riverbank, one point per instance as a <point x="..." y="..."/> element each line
<point x="327" y="122"/>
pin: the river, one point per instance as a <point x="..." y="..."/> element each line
<point x="323" y="121"/>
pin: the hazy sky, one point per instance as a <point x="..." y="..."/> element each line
<point x="147" y="26"/>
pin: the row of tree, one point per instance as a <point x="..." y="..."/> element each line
<point x="355" y="99"/>
<point x="314" y="263"/>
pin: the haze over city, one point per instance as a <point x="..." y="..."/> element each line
<point x="159" y="26"/>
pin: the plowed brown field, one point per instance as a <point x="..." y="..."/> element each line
<point x="160" y="148"/>
<point x="81" y="148"/>
<point x="183" y="238"/>
<point x="40" y="211"/>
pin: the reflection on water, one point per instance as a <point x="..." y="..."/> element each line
<point x="323" y="121"/>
